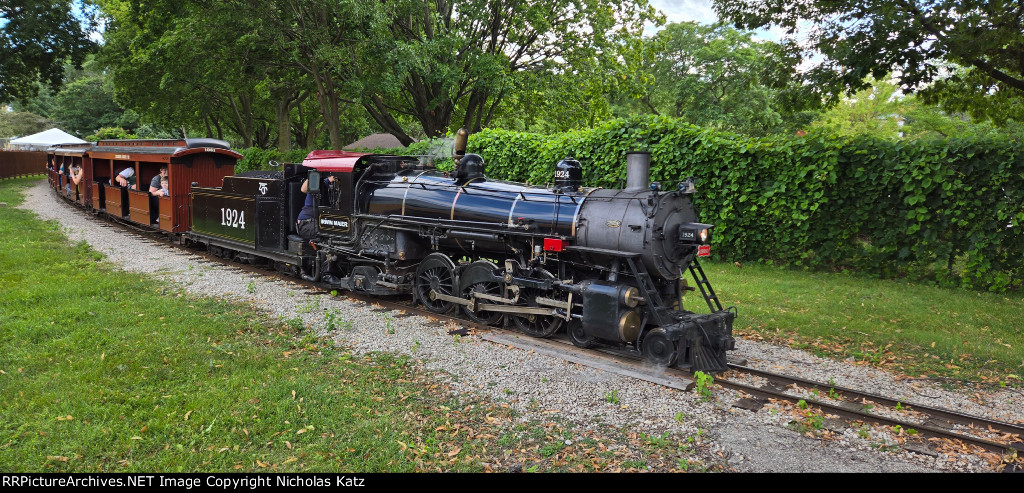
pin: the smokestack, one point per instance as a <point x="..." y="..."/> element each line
<point x="638" y="171"/>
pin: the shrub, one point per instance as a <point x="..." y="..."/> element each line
<point x="949" y="211"/>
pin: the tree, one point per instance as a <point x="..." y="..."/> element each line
<point x="414" y="68"/>
<point x="878" y="111"/>
<point x="717" y="76"/>
<point x="21" y="123"/>
<point x="916" y="40"/>
<point x="212" y="67"/>
<point x="882" y="111"/>
<point x="41" y="103"/>
<point x="190" y="64"/>
<point x="438" y="63"/>
<point x="36" y="40"/>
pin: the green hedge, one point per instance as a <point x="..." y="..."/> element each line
<point x="255" y="158"/>
<point x="939" y="210"/>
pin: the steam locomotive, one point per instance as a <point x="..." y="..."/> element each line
<point x="607" y="265"/>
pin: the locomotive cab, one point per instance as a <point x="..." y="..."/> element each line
<point x="349" y="172"/>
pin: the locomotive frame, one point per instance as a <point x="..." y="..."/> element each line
<point x="605" y="265"/>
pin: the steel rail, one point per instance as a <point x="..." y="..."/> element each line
<point x="951" y="417"/>
<point x="631" y="365"/>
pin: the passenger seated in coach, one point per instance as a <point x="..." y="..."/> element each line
<point x="126" y="178"/>
<point x="77" y="173"/>
<point x="74" y="177"/>
<point x="155" y="186"/>
<point x="62" y="173"/>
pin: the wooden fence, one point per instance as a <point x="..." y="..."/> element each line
<point x="22" y="163"/>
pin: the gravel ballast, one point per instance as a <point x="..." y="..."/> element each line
<point x="540" y="387"/>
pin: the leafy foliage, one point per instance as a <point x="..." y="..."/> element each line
<point x="942" y="209"/>
<point x="411" y="68"/>
<point x="717" y="76"/>
<point x="881" y="111"/>
<point x="21" y="123"/>
<point x="916" y="39"/>
<point x="85" y="105"/>
<point x="110" y="133"/>
<point x="36" y="38"/>
<point x="255" y="158"/>
<point x="184" y="63"/>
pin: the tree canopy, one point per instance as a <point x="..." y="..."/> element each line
<point x="319" y="73"/>
<point x="965" y="54"/>
<point x="717" y="76"/>
<point x="408" y="67"/>
<point x="37" y="38"/>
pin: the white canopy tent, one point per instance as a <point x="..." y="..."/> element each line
<point x="43" y="140"/>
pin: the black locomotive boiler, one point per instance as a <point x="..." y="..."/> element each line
<point x="607" y="265"/>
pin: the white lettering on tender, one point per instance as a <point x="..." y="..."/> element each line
<point x="232" y="217"/>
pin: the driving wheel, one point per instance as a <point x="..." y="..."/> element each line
<point x="478" y="277"/>
<point x="538" y="325"/>
<point x="435" y="275"/>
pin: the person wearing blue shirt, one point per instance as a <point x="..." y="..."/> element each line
<point x="306" y="226"/>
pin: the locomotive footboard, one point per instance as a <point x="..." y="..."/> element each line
<point x="701" y="341"/>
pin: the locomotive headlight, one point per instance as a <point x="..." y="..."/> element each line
<point x="695" y="233"/>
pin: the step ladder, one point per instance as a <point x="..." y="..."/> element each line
<point x="705" y="286"/>
<point x="647" y="289"/>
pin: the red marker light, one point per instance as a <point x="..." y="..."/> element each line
<point x="554" y="244"/>
<point x="704" y="251"/>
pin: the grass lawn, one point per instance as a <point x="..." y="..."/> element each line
<point x="905" y="327"/>
<point x="104" y="370"/>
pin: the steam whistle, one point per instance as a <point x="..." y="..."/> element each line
<point x="461" y="139"/>
<point x="467" y="166"/>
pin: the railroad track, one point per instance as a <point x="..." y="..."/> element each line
<point x="854" y="405"/>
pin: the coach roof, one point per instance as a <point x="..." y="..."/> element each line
<point x="124" y="149"/>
